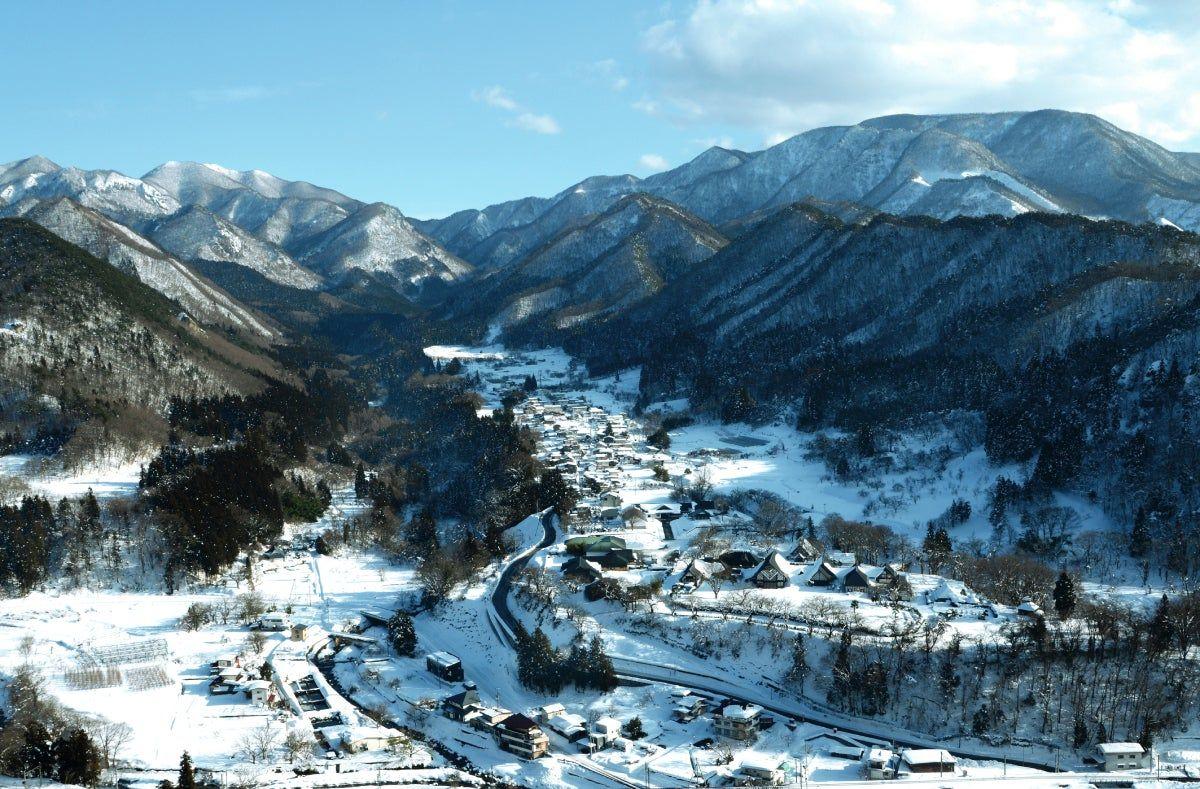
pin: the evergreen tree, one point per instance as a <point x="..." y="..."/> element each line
<point x="187" y="775"/>
<point x="937" y="546"/>
<point x="402" y="634"/>
<point x="659" y="439"/>
<point x="603" y="676"/>
<point x="76" y="758"/>
<point x="1139" y="537"/>
<point x="35" y="758"/>
<point x="1080" y="737"/>
<point x="840" y="690"/>
<point x="799" y="670"/>
<point x="1064" y="595"/>
<point x="979" y="722"/>
<point x="1161" y="631"/>
<point x="362" y="487"/>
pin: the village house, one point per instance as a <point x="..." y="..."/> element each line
<point x="456" y="706"/>
<point x="568" y="725"/>
<point x="757" y="770"/>
<point x="616" y="559"/>
<point x="821" y="574"/>
<point x="805" y="551"/>
<point x="737" y="722"/>
<point x="486" y="718"/>
<point x="689" y="708"/>
<point x="879" y="764"/>
<point x="952" y="593"/>
<point x="581" y="569"/>
<point x="1029" y="610"/>
<point x="444" y="665"/>
<point x="274" y="621"/>
<point x="1115" y="756"/>
<point x="772" y="573"/>
<point x="928" y="760"/>
<point x="224" y="662"/>
<point x="260" y="692"/>
<point x="604" y="732"/>
<point x="856" y="579"/>
<point x="697" y="572"/>
<point x="226" y="681"/>
<point x="738" y="560"/>
<point x="521" y="735"/>
<point x="359" y="739"/>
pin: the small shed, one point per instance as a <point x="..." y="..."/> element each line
<point x="444" y="665"/>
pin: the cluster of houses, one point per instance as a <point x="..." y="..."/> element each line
<point x="515" y="732"/>
<point x="229" y="677"/>
<point x="806" y="565"/>
<point x="588" y="445"/>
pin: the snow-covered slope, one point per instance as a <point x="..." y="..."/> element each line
<point x="139" y="257"/>
<point x="378" y="238"/>
<point x="609" y="262"/>
<point x="130" y="201"/>
<point x="282" y="212"/>
<point x="199" y="233"/>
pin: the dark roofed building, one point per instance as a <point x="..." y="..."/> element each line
<point x="738" y="560"/>
<point x="771" y="574"/>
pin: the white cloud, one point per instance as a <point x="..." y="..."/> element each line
<point x="495" y="96"/>
<point x="541" y="124"/>
<point x="609" y="72"/>
<point x="652" y="162"/>
<point x="522" y="118"/>
<point x="782" y="65"/>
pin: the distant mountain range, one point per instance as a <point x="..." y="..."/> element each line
<point x="294" y="233"/>
<point x="936" y="165"/>
<point x="602" y="246"/>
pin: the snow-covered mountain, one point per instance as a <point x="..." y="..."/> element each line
<point x="248" y="218"/>
<point x="130" y="201"/>
<point x="610" y="262"/>
<point x="141" y="258"/>
<point x="282" y="212"/>
<point x="378" y="238"/>
<point x="937" y="165"/>
<point x="197" y="233"/>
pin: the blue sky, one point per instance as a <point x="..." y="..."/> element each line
<point x="439" y="106"/>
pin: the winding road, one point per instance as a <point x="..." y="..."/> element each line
<point x="505" y="623"/>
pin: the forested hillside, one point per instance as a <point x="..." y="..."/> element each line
<point x="91" y="356"/>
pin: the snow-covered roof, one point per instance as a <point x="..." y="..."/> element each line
<point x="606" y="725"/>
<point x="738" y="712"/>
<point x="928" y="756"/>
<point x="444" y="659"/>
<point x="948" y="591"/>
<point x="566" y="721"/>
<point x="1030" y="607"/>
<point x="773" y="562"/>
<point x="760" y="761"/>
<point x="1114" y="748"/>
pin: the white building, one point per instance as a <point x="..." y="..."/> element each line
<point x="879" y="764"/>
<point x="603" y="733"/>
<point x="1115" y="756"/>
